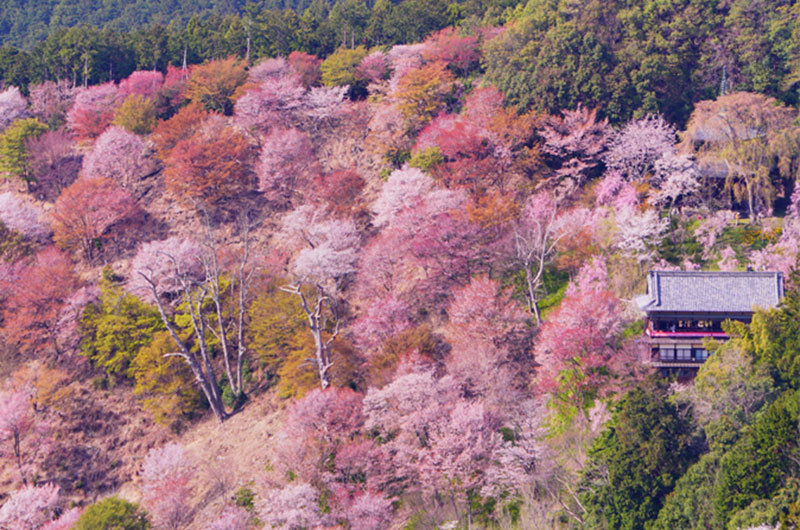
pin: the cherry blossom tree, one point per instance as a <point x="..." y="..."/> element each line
<point x="231" y="518"/>
<point x="66" y="521"/>
<point x="635" y="148"/>
<point x="576" y="140"/>
<point x="23" y="216"/>
<point x="533" y="243"/>
<point x="12" y="107"/>
<point x="51" y="100"/>
<point x="482" y="104"/>
<point x="383" y="318"/>
<point x="488" y="333"/>
<point x="460" y="451"/>
<point x="166" y="263"/>
<point x="55" y="162"/>
<point x="88" y="211"/>
<point x="638" y="233"/>
<point x="325" y="104"/>
<point x="293" y="507"/>
<point x="270" y="68"/>
<point x="316" y="425"/>
<point x="166" y="474"/>
<point x="16" y="422"/>
<point x="405" y="413"/>
<point x="678" y="181"/>
<point x="711" y="228"/>
<point x="147" y="83"/>
<point x="369" y="511"/>
<point x="213" y="293"/>
<point x="374" y="68"/>
<point x="29" y="507"/>
<point x="328" y="251"/>
<point x="119" y="155"/>
<point x="271" y="103"/>
<point x="578" y="340"/>
<point x="93" y="110"/>
<point x="286" y="164"/>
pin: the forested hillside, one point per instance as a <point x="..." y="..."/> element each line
<point x="373" y="267"/>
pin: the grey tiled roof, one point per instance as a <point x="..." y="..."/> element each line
<point x="712" y="292"/>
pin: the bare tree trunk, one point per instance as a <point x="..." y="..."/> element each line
<point x="316" y="324"/>
<point x="18" y="454"/>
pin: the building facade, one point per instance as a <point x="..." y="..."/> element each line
<point x="684" y="307"/>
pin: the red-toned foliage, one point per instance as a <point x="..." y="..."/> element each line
<point x="306" y="67"/>
<point x="460" y="53"/>
<point x="93" y="110"/>
<point x="340" y="190"/>
<point x="179" y="127"/>
<point x="210" y="168"/>
<point x="33" y="306"/>
<point x="89" y="213"/>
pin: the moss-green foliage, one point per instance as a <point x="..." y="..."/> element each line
<point x="14" y="156"/>
<point x="634" y="464"/>
<point x="774" y="336"/>
<point x="769" y="512"/>
<point x="115" y="328"/>
<point x="755" y="468"/>
<point x="340" y="66"/>
<point x="113" y="514"/>
<point x="427" y="159"/>
<point x="165" y="383"/>
<point x="688" y="506"/>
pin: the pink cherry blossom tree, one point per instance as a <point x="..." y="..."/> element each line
<point x="166" y="475"/>
<point x="271" y="103"/>
<point x="369" y="510"/>
<point x="634" y="149"/>
<point x="51" y="100"/>
<point x="325" y="250"/>
<point x="55" y="162"/>
<point x="29" y="507"/>
<point x="374" y="68"/>
<point x="293" y="507"/>
<point x="533" y="241"/>
<point x="147" y="83"/>
<point x="383" y="318"/>
<point x="286" y="165"/>
<point x="93" y="110"/>
<point x="119" y="155"/>
<point x="23" y="216"/>
<point x="489" y="336"/>
<point x="66" y="521"/>
<point x="13" y="106"/>
<point x="16" y="423"/>
<point x="639" y="232"/>
<point x="165" y="262"/>
<point x="576" y="140"/>
<point x="231" y="518"/>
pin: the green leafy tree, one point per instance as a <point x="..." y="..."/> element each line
<point x="112" y="513"/>
<point x="116" y="328"/>
<point x="136" y="114"/>
<point x="637" y="459"/>
<point x="14" y="155"/>
<point x="774" y="335"/>
<point x="340" y="67"/>
<point x="755" y="468"/>
<point x="165" y="384"/>
<point x="688" y="506"/>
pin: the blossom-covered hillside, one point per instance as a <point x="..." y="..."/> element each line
<point x="363" y="292"/>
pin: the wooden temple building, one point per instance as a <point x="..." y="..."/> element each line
<point x="683" y="308"/>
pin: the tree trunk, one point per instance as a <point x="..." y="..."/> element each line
<point x="533" y="304"/>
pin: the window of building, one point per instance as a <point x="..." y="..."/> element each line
<point x="666" y="353"/>
<point x="683" y="354"/>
